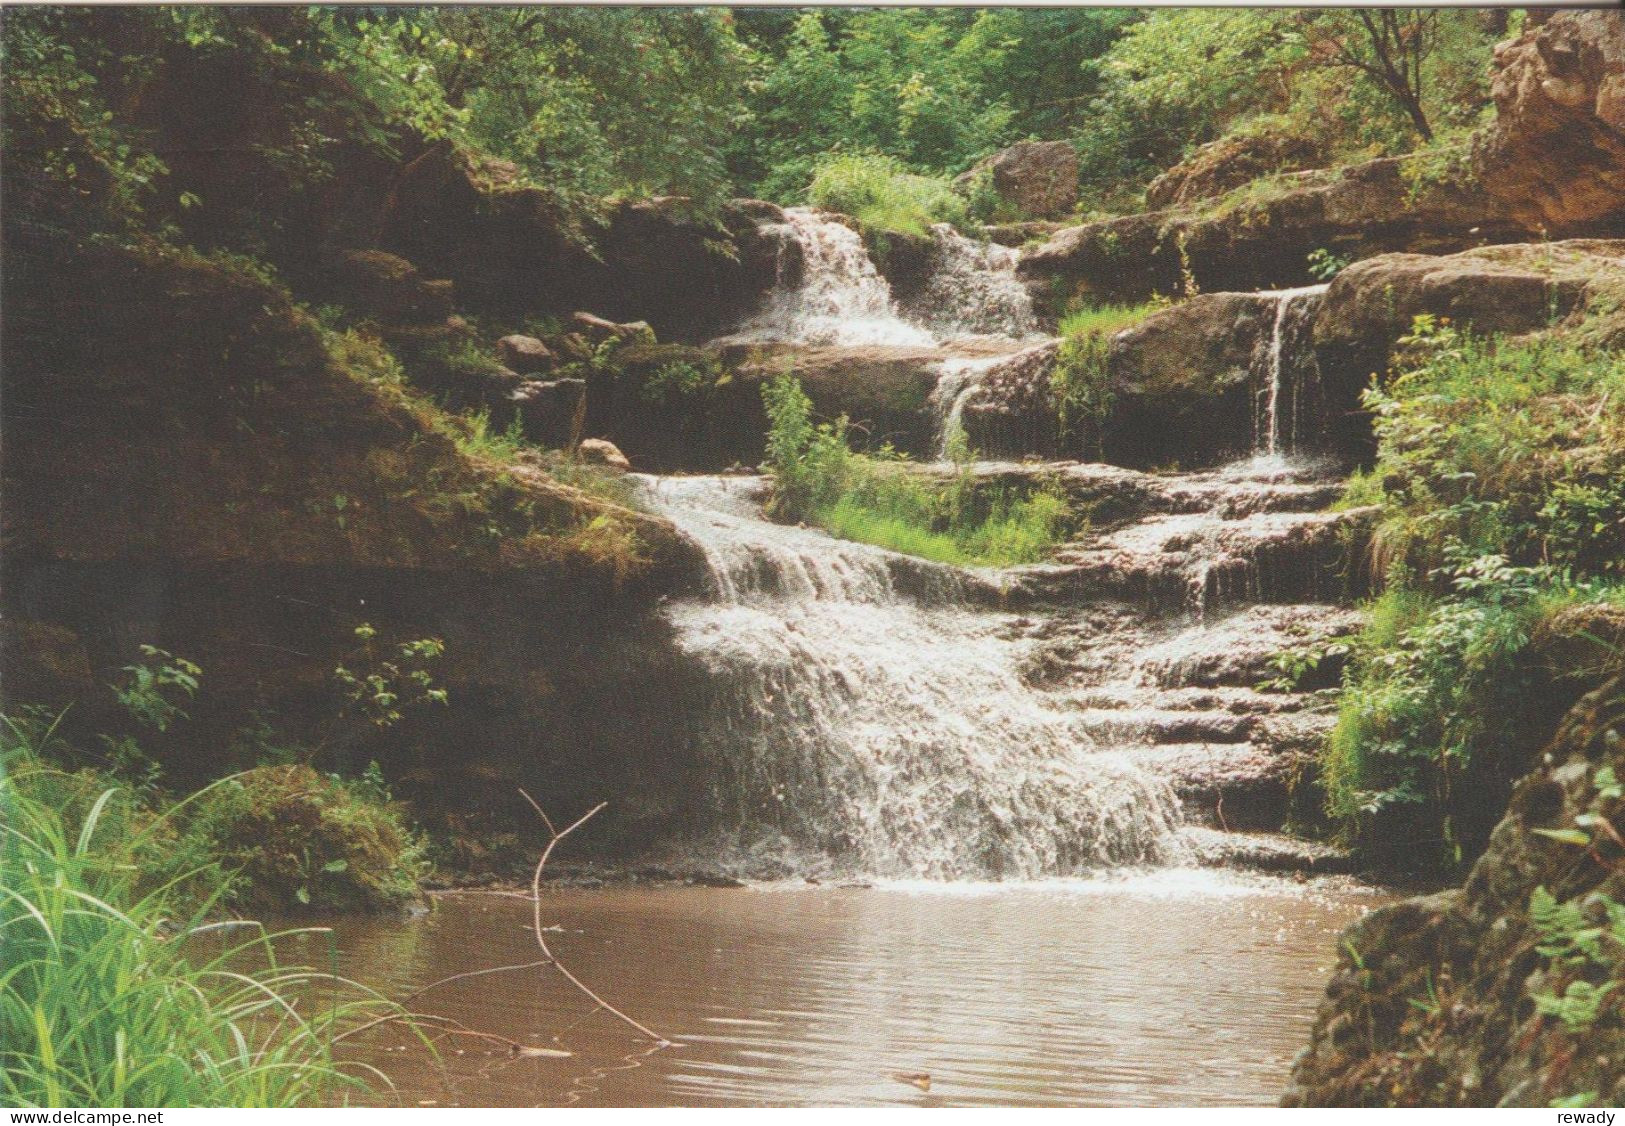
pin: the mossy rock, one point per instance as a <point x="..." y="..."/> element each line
<point x="294" y="839"/>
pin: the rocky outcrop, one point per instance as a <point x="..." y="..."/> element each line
<point x="1188" y="385"/>
<point x="1032" y="179"/>
<point x="1226" y="164"/>
<point x="188" y="465"/>
<point x="508" y="249"/>
<point x="1261" y="239"/>
<point x="1183" y="381"/>
<point x="1555" y="157"/>
<point x="1511" y="289"/>
<point x="1450" y="1000"/>
<point x="1553" y="164"/>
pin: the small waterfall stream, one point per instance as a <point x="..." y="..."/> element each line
<point x="1288" y="367"/>
<point x="839" y="297"/>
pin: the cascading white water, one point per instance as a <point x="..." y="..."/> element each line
<point x="861" y="714"/>
<point x="1288" y="302"/>
<point x="840" y="298"/>
<point x="973" y="290"/>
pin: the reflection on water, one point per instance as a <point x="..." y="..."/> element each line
<point x="1174" y="988"/>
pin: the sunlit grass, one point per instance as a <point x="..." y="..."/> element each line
<point x="114" y="990"/>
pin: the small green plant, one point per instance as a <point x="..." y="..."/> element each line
<point x="152" y="689"/>
<point x="681" y="381"/>
<point x="477" y="437"/>
<point x="1324" y="265"/>
<point x="384" y="684"/>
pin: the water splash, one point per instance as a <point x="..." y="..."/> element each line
<point x="973" y="290"/>
<point x="836" y="296"/>
<point x="860" y="713"/>
<point x="839" y="298"/>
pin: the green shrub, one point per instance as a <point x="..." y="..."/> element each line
<point x="884" y="197"/>
<point x="110" y="996"/>
<point x="1501" y="446"/>
<point x="1500" y="482"/>
<point x="882" y="501"/>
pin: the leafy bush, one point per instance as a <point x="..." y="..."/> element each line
<point x="882" y="501"/>
<point x="884" y="197"/>
<point x="1508" y="446"/>
<point x="112" y="996"/>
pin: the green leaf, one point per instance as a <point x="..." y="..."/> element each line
<point x="336" y="865"/>
<point x="302" y="895"/>
<point x="1567" y="836"/>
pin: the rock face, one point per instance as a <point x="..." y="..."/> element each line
<point x="507" y="250"/>
<point x="1183" y="381"/>
<point x="1511" y="289"/>
<point x="719" y="421"/>
<point x="1555" y="157"/>
<point x="1434" y="1002"/>
<point x="231" y="492"/>
<point x="1264" y="242"/>
<point x="1035" y="179"/>
<point x="1228" y="163"/>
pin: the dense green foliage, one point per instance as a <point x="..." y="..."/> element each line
<point x="591" y="103"/>
<point x="881" y="500"/>
<point x="1501" y="510"/>
<point x="115" y="991"/>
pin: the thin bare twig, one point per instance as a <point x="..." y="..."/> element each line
<point x="536" y="918"/>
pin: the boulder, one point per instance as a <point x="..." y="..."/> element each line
<point x="1433" y="999"/>
<point x="385" y="287"/>
<point x="553" y="411"/>
<point x="597" y="451"/>
<point x="1555" y="157"/>
<point x="525" y="354"/>
<point x="1034" y="179"/>
<point x="1226" y="164"/>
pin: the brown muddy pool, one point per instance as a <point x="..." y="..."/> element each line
<point x="1174" y="988"/>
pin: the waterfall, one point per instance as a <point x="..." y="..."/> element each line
<point x="858" y="713"/>
<point x="973" y="289"/>
<point x="1288" y="367"/>
<point x="840" y="298"/>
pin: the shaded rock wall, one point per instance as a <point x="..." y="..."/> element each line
<point x="186" y="466"/>
<point x="1433" y="1000"/>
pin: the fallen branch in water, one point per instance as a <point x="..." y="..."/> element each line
<point x="450" y="1027"/>
<point x="536" y="916"/>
